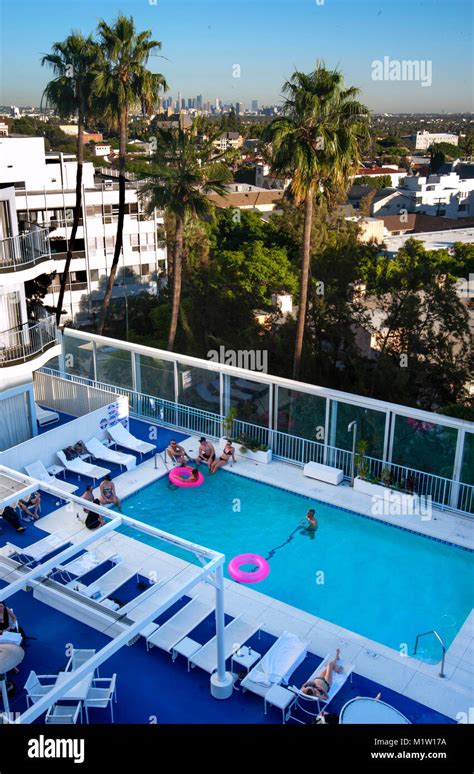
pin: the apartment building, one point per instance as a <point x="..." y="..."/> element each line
<point x="423" y="140"/>
<point x="28" y="336"/>
<point x="447" y="195"/>
<point x="44" y="185"/>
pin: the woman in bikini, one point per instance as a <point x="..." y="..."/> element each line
<point x="108" y="495"/>
<point x="320" y="685"/>
<point x="227" y="452"/>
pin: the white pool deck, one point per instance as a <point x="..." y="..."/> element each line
<point x="451" y="696"/>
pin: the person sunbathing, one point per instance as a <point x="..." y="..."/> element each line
<point x="227" y="452"/>
<point x="11" y="517"/>
<point x="34" y="502"/>
<point x="320" y="685"/>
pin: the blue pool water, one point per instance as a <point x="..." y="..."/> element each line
<point x="383" y="583"/>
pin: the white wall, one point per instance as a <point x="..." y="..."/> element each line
<point x="45" y="446"/>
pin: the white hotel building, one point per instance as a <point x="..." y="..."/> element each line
<point x="44" y="190"/>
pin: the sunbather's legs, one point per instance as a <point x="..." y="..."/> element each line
<point x="330" y="668"/>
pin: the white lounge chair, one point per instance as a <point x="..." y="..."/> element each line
<point x="179" y="625"/>
<point x="101" y="452"/>
<point x="40" y="549"/>
<point x="45" y="416"/>
<point x="109" y="582"/>
<point x="82" y="468"/>
<point x="277" y="665"/>
<point x="122" y="437"/>
<point x="236" y="633"/>
<point x="37" y="470"/>
<point x="82" y="565"/>
<point x="312" y="705"/>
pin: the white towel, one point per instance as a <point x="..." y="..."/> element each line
<point x="280" y="661"/>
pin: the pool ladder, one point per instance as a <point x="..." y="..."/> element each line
<point x="443" y="646"/>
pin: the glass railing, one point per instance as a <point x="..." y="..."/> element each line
<point x="443" y="492"/>
<point x="17" y="345"/>
<point x="25" y="250"/>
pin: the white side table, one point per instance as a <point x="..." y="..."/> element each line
<point x="185" y="647"/>
<point x="56" y="470"/>
<point x="245" y="657"/>
<point x="281" y="698"/>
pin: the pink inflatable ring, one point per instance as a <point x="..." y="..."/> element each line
<point x="248" y="577"/>
<point x="175" y="477"/>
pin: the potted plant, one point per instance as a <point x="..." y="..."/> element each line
<point x="365" y="481"/>
<point x="228" y="423"/>
<point x="253" y="450"/>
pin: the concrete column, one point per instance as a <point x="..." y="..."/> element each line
<point x="222" y="684"/>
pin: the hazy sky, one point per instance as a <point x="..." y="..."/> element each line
<point x="203" y="40"/>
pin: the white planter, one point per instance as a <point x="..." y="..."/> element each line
<point x="373" y="490"/>
<point x="253" y="456"/>
<point x="389" y="502"/>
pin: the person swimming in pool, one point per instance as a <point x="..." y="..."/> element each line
<point x="320" y="685"/>
<point x="311" y="521"/>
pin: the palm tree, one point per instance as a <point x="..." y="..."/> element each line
<point x="122" y="81"/>
<point x="315" y="142"/>
<point x="68" y="93"/>
<point x="185" y="169"/>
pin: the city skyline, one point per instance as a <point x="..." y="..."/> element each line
<point x="236" y="56"/>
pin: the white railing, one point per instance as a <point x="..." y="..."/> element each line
<point x="444" y="493"/>
<point x="25" y="250"/>
<point x="20" y="344"/>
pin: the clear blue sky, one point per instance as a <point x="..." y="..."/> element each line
<point x="203" y="39"/>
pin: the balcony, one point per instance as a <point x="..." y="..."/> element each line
<point x="27" y="341"/>
<point x="24" y="251"/>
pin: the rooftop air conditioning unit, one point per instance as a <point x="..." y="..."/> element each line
<point x="108" y="185"/>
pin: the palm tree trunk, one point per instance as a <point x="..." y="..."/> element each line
<point x="177" y="268"/>
<point x="121" y="215"/>
<point x="77" y="213"/>
<point x="304" y="281"/>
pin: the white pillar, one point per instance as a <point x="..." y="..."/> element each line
<point x="222" y="684"/>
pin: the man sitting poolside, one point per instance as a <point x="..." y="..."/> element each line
<point x="11" y="517"/>
<point x="177" y="453"/>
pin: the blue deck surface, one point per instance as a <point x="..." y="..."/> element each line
<point x="149" y="685"/>
<point x="150" y="688"/>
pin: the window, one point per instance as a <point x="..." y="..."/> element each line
<point x="94" y="275"/>
<point x="145" y="269"/>
<point x="134" y="239"/>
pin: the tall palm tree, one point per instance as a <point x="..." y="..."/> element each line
<point x="122" y="81"/>
<point x="70" y="93"/>
<point x="315" y="142"/>
<point x="186" y="168"/>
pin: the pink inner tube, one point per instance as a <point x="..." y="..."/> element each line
<point x="176" y="472"/>
<point x="248" y="577"/>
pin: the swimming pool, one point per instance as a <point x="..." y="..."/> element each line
<point x="384" y="583"/>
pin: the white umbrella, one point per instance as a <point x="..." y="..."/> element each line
<point x="10" y="657"/>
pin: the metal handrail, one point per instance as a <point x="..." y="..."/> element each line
<point x="23" y="250"/>
<point x="443" y="646"/>
<point x="18" y="345"/>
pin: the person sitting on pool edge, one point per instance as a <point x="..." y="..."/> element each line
<point x="108" y="495"/>
<point x="311" y="521"/>
<point x="320" y="685"/>
<point x="177" y="453"/>
<point x="206" y="452"/>
<point x="227" y="452"/>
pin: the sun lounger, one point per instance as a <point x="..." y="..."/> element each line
<point x="312" y="705"/>
<point x="109" y="582"/>
<point x="81" y="468"/>
<point x="45" y="416"/>
<point x="236" y="633"/>
<point x="101" y="452"/>
<point x="37" y="551"/>
<point x="122" y="437"/>
<point x="179" y="626"/>
<point x="37" y="470"/>
<point x="72" y="571"/>
<point x="277" y="665"/>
